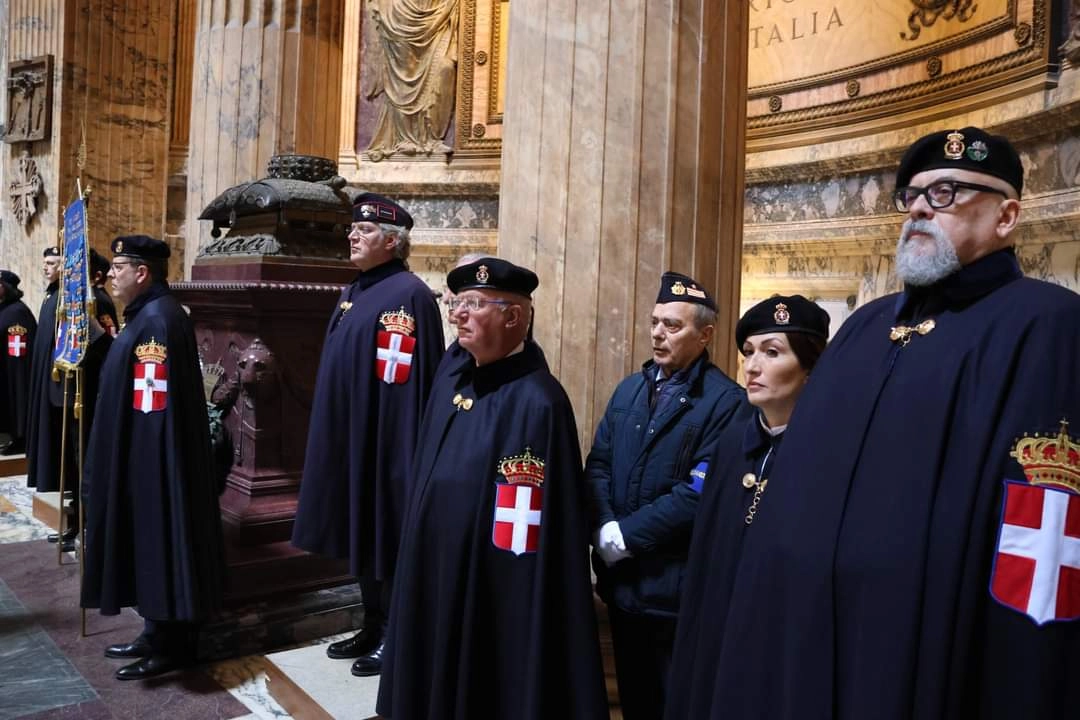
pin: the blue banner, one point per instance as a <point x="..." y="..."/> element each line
<point x="73" y="333"/>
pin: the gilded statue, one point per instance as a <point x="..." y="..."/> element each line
<point x="417" y="77"/>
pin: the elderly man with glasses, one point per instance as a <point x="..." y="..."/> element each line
<point x="153" y="526"/>
<point x="920" y="553"/>
<point x="493" y="613"/>
<point x="379" y="356"/>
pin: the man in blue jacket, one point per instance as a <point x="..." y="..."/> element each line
<point x="647" y="465"/>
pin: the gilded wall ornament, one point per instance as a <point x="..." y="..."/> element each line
<point x="927" y="12"/>
<point x="24" y="189"/>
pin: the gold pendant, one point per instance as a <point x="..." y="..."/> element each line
<point x="749" y="480"/>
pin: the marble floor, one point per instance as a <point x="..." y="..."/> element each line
<point x="41" y="676"/>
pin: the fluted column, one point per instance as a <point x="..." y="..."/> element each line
<point x="622" y="157"/>
<point x="267" y="80"/>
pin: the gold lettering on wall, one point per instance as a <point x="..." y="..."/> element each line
<point x="791" y="40"/>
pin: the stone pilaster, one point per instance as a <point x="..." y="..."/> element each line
<point x="267" y="80"/>
<point x="622" y="158"/>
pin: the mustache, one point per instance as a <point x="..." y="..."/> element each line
<point x="920" y="226"/>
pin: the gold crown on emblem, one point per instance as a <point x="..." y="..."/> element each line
<point x="367" y="211"/>
<point x="119" y="246"/>
<point x="17" y="330"/>
<point x="1050" y="460"/>
<point x="152" y="351"/>
<point x="678" y="288"/>
<point x="954" y="145"/>
<point x="482" y="274"/>
<point x="398" y="321"/>
<point x="781" y="316"/>
<point x="524" y="468"/>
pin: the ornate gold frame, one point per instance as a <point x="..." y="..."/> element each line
<point x="479" y="126"/>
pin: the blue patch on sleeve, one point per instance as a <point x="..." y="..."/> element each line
<point x="697" y="476"/>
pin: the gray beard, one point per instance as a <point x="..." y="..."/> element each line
<point x="925" y="268"/>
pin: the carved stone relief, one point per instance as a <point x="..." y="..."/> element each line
<point x="927" y="12"/>
<point x="1071" y="46"/>
<point x="23" y="191"/>
<point x="417" y="77"/>
<point x="29" y="88"/>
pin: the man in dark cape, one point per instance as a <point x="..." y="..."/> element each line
<point x="916" y="556"/>
<point x="45" y="430"/>
<point x="18" y="326"/>
<point x="493" y="614"/>
<point x="382" y="347"/>
<point x="153" y="537"/>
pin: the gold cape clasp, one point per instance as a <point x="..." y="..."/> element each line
<point x="903" y="333"/>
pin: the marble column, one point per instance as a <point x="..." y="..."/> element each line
<point x="623" y="157"/>
<point x="267" y="81"/>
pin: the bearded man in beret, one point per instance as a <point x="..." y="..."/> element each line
<point x="381" y="350"/>
<point x="18" y="326"/>
<point x="918" y="555"/>
<point x="153" y="525"/>
<point x="493" y="613"/>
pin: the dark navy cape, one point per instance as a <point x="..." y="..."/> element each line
<point x="864" y="587"/>
<point x="153" y="537"/>
<point x="363" y="430"/>
<point x="715" y="549"/>
<point x="15" y="371"/>
<point x="45" y="430"/>
<point x="477" y="631"/>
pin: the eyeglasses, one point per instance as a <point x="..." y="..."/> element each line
<point x="939" y="195"/>
<point x="472" y="304"/>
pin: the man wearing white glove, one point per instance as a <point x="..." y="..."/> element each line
<point x="647" y="466"/>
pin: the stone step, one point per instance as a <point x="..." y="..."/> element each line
<point x="311" y="686"/>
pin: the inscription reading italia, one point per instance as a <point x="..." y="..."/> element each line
<point x="806" y="24"/>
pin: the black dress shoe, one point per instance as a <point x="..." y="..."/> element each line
<point x="69" y="535"/>
<point x="359" y="644"/>
<point x="148" y="667"/>
<point x="137" y="648"/>
<point x="17" y="447"/>
<point x="370" y="664"/>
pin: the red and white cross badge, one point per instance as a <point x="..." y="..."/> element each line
<point x="519" y="503"/>
<point x="1037" y="563"/>
<point x="518" y="509"/>
<point x="151" y="387"/>
<point x="394" y="347"/>
<point x="16" y="343"/>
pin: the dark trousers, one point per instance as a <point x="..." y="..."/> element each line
<point x="376" y="595"/>
<point x="643" y="646"/>
<point x="171" y="638"/>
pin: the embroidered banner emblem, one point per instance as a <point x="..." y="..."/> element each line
<point x="1037" y="563"/>
<point x="151" y="378"/>
<point x="395" y="347"/>
<point x="16" y="344"/>
<point x="519" y="504"/>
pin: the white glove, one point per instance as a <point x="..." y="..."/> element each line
<point x="611" y="546"/>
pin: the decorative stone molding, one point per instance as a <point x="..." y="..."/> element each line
<point x="23" y="191"/>
<point x="29" y="100"/>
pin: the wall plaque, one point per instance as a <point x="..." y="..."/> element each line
<point x="29" y="99"/>
<point x="900" y="54"/>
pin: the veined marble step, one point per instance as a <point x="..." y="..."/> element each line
<point x="311" y="686"/>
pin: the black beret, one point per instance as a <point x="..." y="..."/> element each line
<point x="50" y="252"/>
<point x="98" y="263"/>
<point x="493" y="274"/>
<point x="676" y="287"/>
<point x="9" y="278"/>
<point x="968" y="149"/>
<point x="140" y="246"/>
<point x="783" y="313"/>
<point x="371" y="207"/>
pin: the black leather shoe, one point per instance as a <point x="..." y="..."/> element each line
<point x="148" y="667"/>
<point x="69" y="535"/>
<point x="370" y="664"/>
<point x="359" y="644"/>
<point x="137" y="648"/>
<point x="17" y="447"/>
